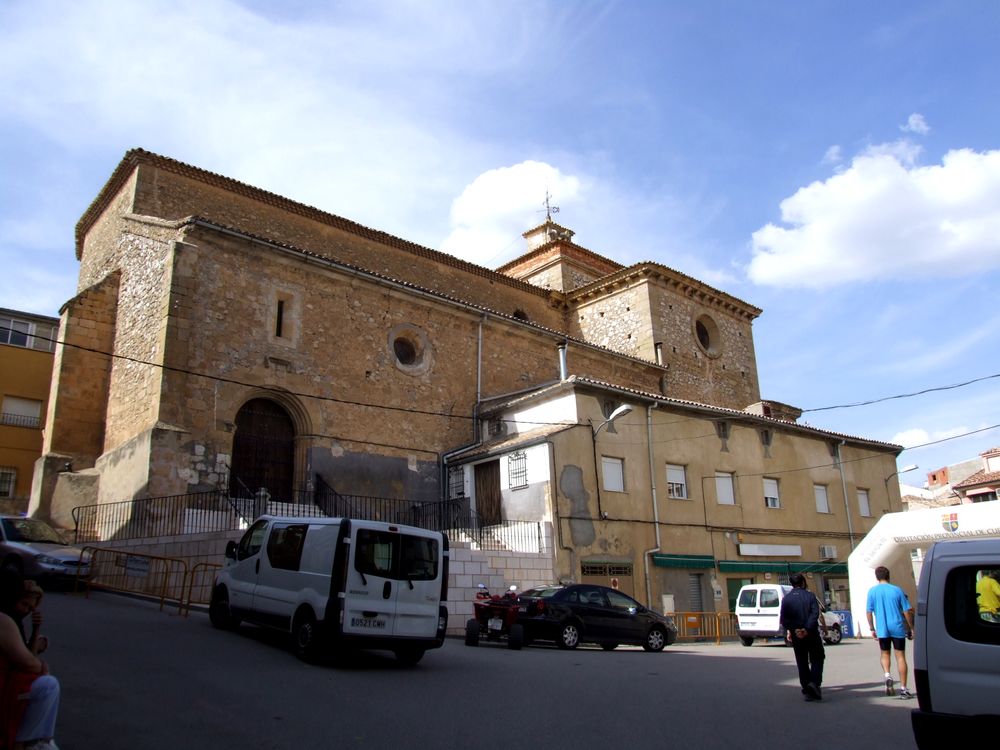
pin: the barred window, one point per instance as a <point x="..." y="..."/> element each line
<point x="676" y="482"/>
<point x="8" y="479"/>
<point x="517" y="468"/>
<point x="456" y="482"/>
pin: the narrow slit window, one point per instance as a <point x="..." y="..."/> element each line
<point x="279" y="319"/>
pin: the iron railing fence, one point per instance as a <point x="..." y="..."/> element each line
<point x="20" y="420"/>
<point x="218" y="511"/>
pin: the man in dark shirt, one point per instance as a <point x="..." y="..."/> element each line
<point x="800" y="619"/>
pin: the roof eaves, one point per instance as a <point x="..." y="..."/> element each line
<point x="647" y="268"/>
<point x="137" y="156"/>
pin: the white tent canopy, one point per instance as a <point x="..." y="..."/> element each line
<point x="890" y="541"/>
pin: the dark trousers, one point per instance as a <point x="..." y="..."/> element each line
<point x="809" y="657"/>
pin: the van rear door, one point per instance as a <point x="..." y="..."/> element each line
<point x="419" y="592"/>
<point x="370" y="593"/>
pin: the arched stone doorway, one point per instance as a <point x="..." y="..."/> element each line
<point x="263" y="451"/>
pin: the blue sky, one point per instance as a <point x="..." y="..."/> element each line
<point x="836" y="164"/>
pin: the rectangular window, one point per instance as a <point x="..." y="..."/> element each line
<point x="613" y="470"/>
<point x="456" y="482"/>
<point x="8" y="481"/>
<point x="284" y="546"/>
<point x="27" y="334"/>
<point x="402" y="557"/>
<point x="864" y="506"/>
<point x="771" y="497"/>
<point x="517" y="470"/>
<point x="21" y="412"/>
<point x="822" y="501"/>
<point x="676" y="482"/>
<point x="724" y="490"/>
<point x="279" y="319"/>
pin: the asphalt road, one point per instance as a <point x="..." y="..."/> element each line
<point x="135" y="677"/>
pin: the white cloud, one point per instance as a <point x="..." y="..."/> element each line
<point x="885" y="217"/>
<point x="833" y="155"/>
<point x="495" y="208"/>
<point x="348" y="112"/>
<point x="919" y="436"/>
<point x="916" y="124"/>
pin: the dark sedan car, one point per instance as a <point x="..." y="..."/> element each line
<point x="584" y="613"/>
<point x="35" y="550"/>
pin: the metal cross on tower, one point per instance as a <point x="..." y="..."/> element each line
<point x="549" y="208"/>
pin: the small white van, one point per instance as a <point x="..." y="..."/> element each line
<point x="333" y="583"/>
<point x="956" y="649"/>
<point x="758" y="614"/>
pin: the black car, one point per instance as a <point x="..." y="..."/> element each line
<point x="585" y="613"/>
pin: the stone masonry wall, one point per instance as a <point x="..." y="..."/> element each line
<point x="173" y="196"/>
<point x="80" y="374"/>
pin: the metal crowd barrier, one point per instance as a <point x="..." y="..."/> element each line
<point x="166" y="579"/>
<point x="705" y="626"/>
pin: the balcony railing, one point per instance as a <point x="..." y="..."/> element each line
<point x="20" y="420"/>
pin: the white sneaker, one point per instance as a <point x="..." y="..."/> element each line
<point x="889" y="689"/>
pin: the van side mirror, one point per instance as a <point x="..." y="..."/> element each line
<point x="231" y="550"/>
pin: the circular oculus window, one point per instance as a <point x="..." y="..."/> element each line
<point x="410" y="349"/>
<point x="707" y="334"/>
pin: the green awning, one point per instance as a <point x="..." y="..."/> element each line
<point x="665" y="560"/>
<point x="771" y="566"/>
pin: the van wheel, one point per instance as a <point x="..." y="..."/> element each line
<point x="410" y="654"/>
<point x="306" y="639"/>
<point x="656" y="639"/>
<point x="515" y="639"/>
<point x="834" y="635"/>
<point x="746" y="641"/>
<point x="472" y="633"/>
<point x="569" y="636"/>
<point x="219" y="613"/>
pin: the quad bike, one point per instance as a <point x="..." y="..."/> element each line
<point x="495" y="619"/>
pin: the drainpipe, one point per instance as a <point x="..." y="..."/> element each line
<point x="562" y="361"/>
<point x="656" y="510"/>
<point x="847" y="502"/>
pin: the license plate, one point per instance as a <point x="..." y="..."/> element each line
<point x="368" y="622"/>
<point x="496" y="623"/>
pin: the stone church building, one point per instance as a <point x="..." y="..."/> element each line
<point x="224" y="338"/>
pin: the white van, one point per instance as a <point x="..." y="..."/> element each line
<point x="956" y="650"/>
<point x="336" y="582"/>
<point x="758" y="614"/>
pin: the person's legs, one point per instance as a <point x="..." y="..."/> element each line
<point x="39" y="722"/>
<point x="801" y="649"/>
<point x="901" y="665"/>
<point x="884" y="645"/>
<point x="817" y="655"/>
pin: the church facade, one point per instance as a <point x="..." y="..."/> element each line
<point x="227" y="337"/>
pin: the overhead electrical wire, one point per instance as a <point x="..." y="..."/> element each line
<point x="430" y="413"/>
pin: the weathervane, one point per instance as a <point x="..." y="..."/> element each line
<point x="549" y="208"/>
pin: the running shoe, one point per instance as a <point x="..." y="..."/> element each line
<point x="905" y="694"/>
<point x="889" y="689"/>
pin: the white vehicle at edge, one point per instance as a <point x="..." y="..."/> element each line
<point x="758" y="614"/>
<point x="334" y="583"/>
<point x="956" y="651"/>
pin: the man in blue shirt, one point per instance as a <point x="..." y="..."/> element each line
<point x="800" y="619"/>
<point x="892" y="626"/>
